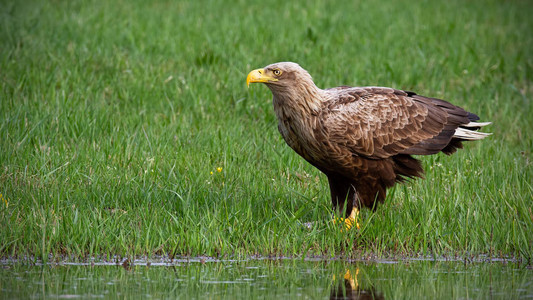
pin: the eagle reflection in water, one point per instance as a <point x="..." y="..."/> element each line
<point x="348" y="288"/>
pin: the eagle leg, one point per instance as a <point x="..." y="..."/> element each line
<point x="352" y="219"/>
<point x="343" y="193"/>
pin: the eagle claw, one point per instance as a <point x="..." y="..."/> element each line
<point x="350" y="221"/>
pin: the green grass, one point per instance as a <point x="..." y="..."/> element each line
<point x="113" y="115"/>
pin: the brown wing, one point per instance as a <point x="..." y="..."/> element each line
<point x="382" y="122"/>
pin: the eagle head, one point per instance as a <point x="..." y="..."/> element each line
<point x="290" y="85"/>
<point x="281" y="74"/>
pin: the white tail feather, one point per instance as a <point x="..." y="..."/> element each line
<point x="476" y="124"/>
<point x="467" y="134"/>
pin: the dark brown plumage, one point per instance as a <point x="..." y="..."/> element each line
<point x="362" y="138"/>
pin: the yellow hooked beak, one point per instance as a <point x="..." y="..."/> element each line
<point x="258" y="75"/>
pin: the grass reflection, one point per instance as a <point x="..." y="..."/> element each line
<point x="270" y="279"/>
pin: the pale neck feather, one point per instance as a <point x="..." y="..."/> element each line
<point x="297" y="102"/>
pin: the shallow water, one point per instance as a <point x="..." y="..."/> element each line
<point x="269" y="279"/>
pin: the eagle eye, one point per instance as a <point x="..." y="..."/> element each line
<point x="277" y="72"/>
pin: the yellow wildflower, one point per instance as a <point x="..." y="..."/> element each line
<point x="219" y="169"/>
<point x="4" y="199"/>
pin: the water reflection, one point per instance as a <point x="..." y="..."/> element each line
<point x="295" y="279"/>
<point x="348" y="287"/>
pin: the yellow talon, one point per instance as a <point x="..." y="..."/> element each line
<point x="351" y="220"/>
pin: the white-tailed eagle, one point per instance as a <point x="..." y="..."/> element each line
<point x="362" y="138"/>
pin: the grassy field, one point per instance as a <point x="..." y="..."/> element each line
<point x="126" y="127"/>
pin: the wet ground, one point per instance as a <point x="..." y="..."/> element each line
<point x="203" y="278"/>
